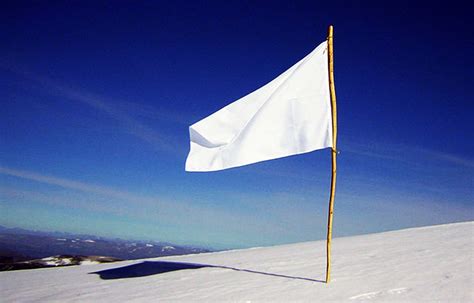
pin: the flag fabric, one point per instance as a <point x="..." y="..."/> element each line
<point x="290" y="115"/>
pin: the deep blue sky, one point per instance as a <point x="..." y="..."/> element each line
<point x="97" y="100"/>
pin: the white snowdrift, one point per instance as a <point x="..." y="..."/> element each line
<point x="421" y="264"/>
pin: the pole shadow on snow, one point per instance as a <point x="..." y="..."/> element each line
<point x="148" y="268"/>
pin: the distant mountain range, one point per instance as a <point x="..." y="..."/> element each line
<point x="18" y="245"/>
<point x="55" y="261"/>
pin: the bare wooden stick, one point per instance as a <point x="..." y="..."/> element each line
<point x="332" y="91"/>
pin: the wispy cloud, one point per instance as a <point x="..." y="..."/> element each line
<point x="70" y="184"/>
<point x="402" y="152"/>
<point x="66" y="199"/>
<point x="451" y="158"/>
<point x="131" y="126"/>
<point x="147" y="111"/>
<point x="112" y="108"/>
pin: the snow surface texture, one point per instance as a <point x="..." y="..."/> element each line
<point x="428" y="264"/>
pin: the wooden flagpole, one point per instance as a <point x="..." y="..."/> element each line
<point x="332" y="91"/>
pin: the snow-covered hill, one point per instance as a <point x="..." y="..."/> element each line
<point x="421" y="264"/>
<point x="21" y="245"/>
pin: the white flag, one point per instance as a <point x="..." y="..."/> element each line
<point x="288" y="116"/>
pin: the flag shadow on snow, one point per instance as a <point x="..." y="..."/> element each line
<point x="148" y="268"/>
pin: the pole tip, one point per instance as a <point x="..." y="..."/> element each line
<point x="330" y="30"/>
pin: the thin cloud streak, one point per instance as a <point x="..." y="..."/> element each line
<point x="131" y="126"/>
<point x="396" y="152"/>
<point x="70" y="184"/>
<point x="453" y="159"/>
<point x="66" y="200"/>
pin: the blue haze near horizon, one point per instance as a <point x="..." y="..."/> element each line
<point x="97" y="100"/>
